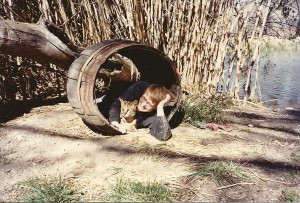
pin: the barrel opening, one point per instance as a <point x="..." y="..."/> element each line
<point x="151" y="66"/>
<point x="154" y="67"/>
<point x="105" y="70"/>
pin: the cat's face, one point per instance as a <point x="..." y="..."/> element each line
<point x="128" y="109"/>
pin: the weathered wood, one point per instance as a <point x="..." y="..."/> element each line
<point x="42" y="42"/>
<point x="128" y="72"/>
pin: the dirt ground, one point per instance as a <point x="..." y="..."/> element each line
<point x="52" y="139"/>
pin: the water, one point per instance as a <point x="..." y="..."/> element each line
<point x="280" y="80"/>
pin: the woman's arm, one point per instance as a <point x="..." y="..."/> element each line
<point x="160" y="127"/>
<point x="114" y="112"/>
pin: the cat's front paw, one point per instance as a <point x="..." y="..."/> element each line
<point x="120" y="127"/>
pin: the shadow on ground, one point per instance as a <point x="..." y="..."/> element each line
<point x="284" y="121"/>
<point x="196" y="159"/>
<point x="18" y="108"/>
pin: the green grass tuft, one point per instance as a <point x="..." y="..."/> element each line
<point x="224" y="172"/>
<point x="289" y="197"/>
<point x="49" y="189"/>
<point x="209" y="110"/>
<point x="129" y="191"/>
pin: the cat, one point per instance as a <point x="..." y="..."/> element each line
<point x="128" y="114"/>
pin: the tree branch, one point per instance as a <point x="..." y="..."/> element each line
<point x="42" y="42"/>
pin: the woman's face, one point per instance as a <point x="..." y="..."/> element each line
<point x="145" y="104"/>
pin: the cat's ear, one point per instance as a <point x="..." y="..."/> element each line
<point x="121" y="100"/>
<point x="135" y="102"/>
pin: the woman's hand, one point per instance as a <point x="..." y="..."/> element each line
<point x="162" y="104"/>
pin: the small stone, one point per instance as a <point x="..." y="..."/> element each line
<point x="250" y="125"/>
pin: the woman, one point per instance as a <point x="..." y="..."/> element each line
<point x="152" y="98"/>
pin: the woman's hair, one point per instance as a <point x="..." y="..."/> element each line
<point x="157" y="93"/>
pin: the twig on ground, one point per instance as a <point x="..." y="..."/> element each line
<point x="233" y="185"/>
<point x="193" y="190"/>
<point x="268" y="179"/>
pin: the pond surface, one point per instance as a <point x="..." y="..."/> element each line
<point x="280" y="79"/>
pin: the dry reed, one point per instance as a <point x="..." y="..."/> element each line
<point x="208" y="40"/>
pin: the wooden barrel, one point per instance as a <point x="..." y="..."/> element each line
<point x="85" y="79"/>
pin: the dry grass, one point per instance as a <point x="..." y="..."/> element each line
<point x="4" y="156"/>
<point x="129" y="191"/>
<point x="224" y="172"/>
<point x="289" y="196"/>
<point x="209" y="110"/>
<point x="74" y="189"/>
<point x="49" y="189"/>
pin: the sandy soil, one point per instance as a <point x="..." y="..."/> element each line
<point x="51" y="140"/>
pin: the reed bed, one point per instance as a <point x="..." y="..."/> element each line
<point x="208" y="40"/>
